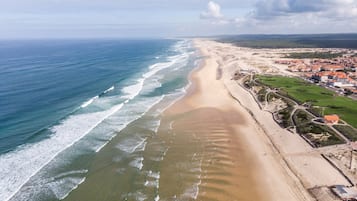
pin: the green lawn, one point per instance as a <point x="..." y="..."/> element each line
<point x="302" y="91"/>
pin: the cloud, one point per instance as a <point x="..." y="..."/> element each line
<point x="287" y="16"/>
<point x="214" y="15"/>
<point x="275" y="8"/>
<point x="301" y="16"/>
<point x="268" y="9"/>
<point x="213" y="11"/>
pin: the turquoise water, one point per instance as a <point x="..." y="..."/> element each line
<point x="62" y="101"/>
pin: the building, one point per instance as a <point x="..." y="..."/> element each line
<point x="340" y="79"/>
<point x="321" y="77"/>
<point x="345" y="193"/>
<point x="331" y="119"/>
<point x="316" y="68"/>
<point x="341" y="84"/>
<point x="333" y="67"/>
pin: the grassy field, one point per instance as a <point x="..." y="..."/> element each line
<point x="302" y="91"/>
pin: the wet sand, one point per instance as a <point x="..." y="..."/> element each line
<point x="238" y="162"/>
<point x="224" y="170"/>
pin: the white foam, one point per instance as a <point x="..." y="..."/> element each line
<point x="88" y="102"/>
<point x="153" y="179"/>
<point x="153" y="125"/>
<point x="63" y="187"/>
<point x="109" y="89"/>
<point x="157" y="159"/>
<point x="59" y="186"/>
<point x="170" y="125"/>
<point x="156" y="102"/>
<point x="151" y="85"/>
<point x="155" y="175"/>
<point x="132" y="144"/>
<point x="161" y="66"/>
<point x="133" y="90"/>
<point x="101" y="146"/>
<point x="198" y="168"/>
<point x="17" y="167"/>
<point x="153" y="183"/>
<point x="137" y="163"/>
<point x="165" y="152"/>
<point x="160" y="158"/>
<point x="192" y="192"/>
<point x="157" y="125"/>
<point x="157" y="198"/>
<point x="141" y="147"/>
<point x="139" y="196"/>
<point x="71" y="173"/>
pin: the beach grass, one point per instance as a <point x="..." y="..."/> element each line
<point x="302" y="92"/>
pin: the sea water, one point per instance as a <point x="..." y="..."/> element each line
<point x="63" y="102"/>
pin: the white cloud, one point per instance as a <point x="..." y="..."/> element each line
<point x="298" y="16"/>
<point x="214" y="15"/>
<point x="213" y="11"/>
<point x="332" y="9"/>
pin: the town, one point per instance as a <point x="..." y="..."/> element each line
<point x="338" y="74"/>
<point x="310" y="93"/>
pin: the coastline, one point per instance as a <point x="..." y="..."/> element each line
<point x="121" y="157"/>
<point x="240" y="144"/>
<point x="208" y="139"/>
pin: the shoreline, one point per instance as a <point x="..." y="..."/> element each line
<point x="264" y="174"/>
<point x="296" y="170"/>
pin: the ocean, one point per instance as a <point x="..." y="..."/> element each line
<point x="73" y="111"/>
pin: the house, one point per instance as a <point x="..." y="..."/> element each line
<point x="332" y="67"/>
<point x="341" y="84"/>
<point x="321" y="76"/>
<point x="340" y="79"/>
<point x="331" y="119"/>
<point x="316" y="68"/>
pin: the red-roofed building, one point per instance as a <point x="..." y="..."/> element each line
<point x="315" y="68"/>
<point x="331" y="119"/>
<point x="332" y="67"/>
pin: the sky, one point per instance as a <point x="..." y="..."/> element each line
<point x="173" y="18"/>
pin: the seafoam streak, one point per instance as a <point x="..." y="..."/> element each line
<point x="16" y="168"/>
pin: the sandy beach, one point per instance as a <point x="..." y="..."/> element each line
<point x="213" y="144"/>
<point x="241" y="162"/>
